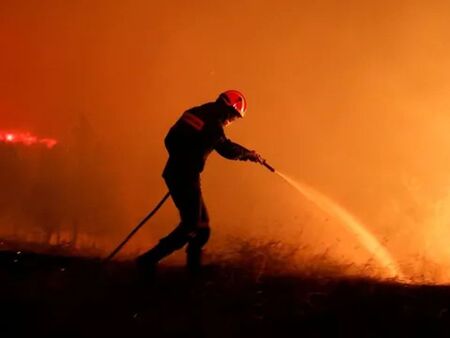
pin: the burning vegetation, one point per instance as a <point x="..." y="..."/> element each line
<point x="26" y="139"/>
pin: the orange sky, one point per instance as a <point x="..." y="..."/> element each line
<point x="350" y="97"/>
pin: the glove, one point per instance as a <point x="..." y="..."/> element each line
<point x="254" y="157"/>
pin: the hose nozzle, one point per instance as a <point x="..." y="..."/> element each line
<point x="264" y="163"/>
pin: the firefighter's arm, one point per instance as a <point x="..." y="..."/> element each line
<point x="234" y="151"/>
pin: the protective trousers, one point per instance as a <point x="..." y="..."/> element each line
<point x="193" y="229"/>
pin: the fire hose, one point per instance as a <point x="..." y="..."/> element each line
<point x="141" y="223"/>
<point x="150" y="215"/>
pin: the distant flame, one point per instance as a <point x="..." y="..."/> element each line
<point x="26" y="139"/>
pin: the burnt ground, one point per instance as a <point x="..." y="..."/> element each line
<point x="45" y="295"/>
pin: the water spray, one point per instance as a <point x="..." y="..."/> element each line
<point x="367" y="239"/>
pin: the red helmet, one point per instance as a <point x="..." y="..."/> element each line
<point x="235" y="99"/>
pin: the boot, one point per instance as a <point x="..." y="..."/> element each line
<point x="194" y="260"/>
<point x="147" y="263"/>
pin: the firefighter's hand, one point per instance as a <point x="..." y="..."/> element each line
<point x="254" y="157"/>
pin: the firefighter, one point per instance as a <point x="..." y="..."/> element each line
<point x="198" y="132"/>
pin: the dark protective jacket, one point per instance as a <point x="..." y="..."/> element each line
<point x="194" y="136"/>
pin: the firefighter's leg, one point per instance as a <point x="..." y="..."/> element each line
<point x="195" y="245"/>
<point x="172" y="242"/>
<point x="187" y="198"/>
